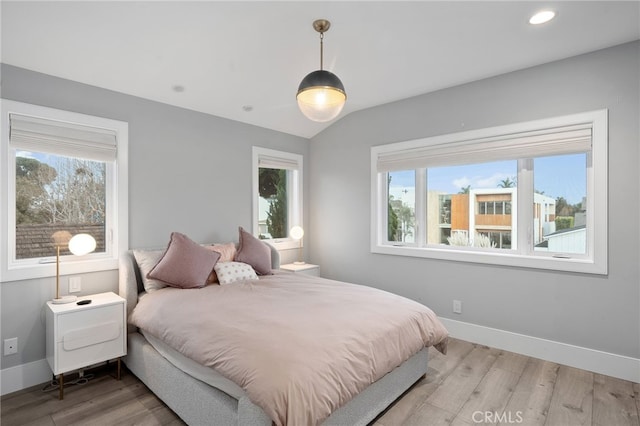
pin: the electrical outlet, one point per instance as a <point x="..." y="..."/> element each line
<point x="457" y="307"/>
<point x="75" y="284"/>
<point x="11" y="346"/>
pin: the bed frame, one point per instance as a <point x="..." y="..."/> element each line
<point x="198" y="403"/>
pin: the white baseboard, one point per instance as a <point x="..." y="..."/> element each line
<point x="23" y="376"/>
<point x="609" y="364"/>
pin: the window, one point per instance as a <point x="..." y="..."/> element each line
<point x="277" y="189"/>
<point x="530" y="194"/>
<point x="63" y="174"/>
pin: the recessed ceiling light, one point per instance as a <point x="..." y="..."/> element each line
<point x="542" y="17"/>
<point x="177" y="88"/>
<point x="247" y="108"/>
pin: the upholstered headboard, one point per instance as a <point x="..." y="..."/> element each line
<point x="130" y="281"/>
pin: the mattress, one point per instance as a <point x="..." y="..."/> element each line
<point x="204" y="374"/>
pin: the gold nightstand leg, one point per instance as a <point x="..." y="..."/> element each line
<point x="61" y="386"/>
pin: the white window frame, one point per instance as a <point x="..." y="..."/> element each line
<point x="117" y="224"/>
<point x="595" y="261"/>
<point x="294" y="163"/>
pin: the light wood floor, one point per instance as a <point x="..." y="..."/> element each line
<point x="471" y="385"/>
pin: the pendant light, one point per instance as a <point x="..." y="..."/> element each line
<point x="321" y="94"/>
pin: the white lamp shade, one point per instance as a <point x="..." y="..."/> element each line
<point x="82" y="244"/>
<point x="321" y="104"/>
<point x="296" y="232"/>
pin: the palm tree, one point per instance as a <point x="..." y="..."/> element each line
<point x="465" y="189"/>
<point x="507" y="183"/>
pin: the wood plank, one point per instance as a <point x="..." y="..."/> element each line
<point x="614" y="402"/>
<point x="443" y="365"/>
<point x="456" y="389"/>
<point x="31" y="404"/>
<point x="532" y="394"/>
<point x="491" y="397"/>
<point x="162" y="416"/>
<point x="428" y="414"/>
<point x="636" y="396"/>
<point x="510" y="361"/>
<point x="41" y="421"/>
<point x="112" y="408"/>
<point x="572" y="399"/>
<point x="440" y="366"/>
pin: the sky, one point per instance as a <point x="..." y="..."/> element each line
<point x="558" y="176"/>
<point x="40" y="156"/>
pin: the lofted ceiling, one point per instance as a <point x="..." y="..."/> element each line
<point x="244" y="60"/>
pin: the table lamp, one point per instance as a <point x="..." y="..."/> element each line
<point x="79" y="245"/>
<point x="297" y="233"/>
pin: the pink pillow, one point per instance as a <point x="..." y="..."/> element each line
<point x="254" y="252"/>
<point x="227" y="251"/>
<point x="227" y="254"/>
<point x="185" y="263"/>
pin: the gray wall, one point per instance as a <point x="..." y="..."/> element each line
<point x="188" y="172"/>
<point x="598" y="312"/>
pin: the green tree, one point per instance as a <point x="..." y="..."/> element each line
<point x="392" y="217"/>
<point x="32" y="179"/>
<point x="465" y="189"/>
<point x="268" y="182"/>
<point x="276" y="187"/>
<point x="563" y="208"/>
<point x="406" y="216"/>
<point x="564" y="222"/>
<point x="392" y="225"/>
<point x="507" y="183"/>
<point x="77" y="195"/>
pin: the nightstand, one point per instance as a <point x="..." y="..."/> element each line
<point x="82" y="335"/>
<point x="302" y="268"/>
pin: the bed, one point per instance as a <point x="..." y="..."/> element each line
<point x="201" y="395"/>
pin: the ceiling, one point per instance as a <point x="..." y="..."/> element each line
<point x="244" y="60"/>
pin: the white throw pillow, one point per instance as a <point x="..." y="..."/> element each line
<point x="230" y="272"/>
<point x="146" y="260"/>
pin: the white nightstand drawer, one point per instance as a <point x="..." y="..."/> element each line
<point x="69" y="360"/>
<point x="87" y="318"/>
<point x="89" y="336"/>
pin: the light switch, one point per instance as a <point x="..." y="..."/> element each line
<point x="75" y="284"/>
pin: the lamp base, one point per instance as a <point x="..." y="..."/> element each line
<point x="64" y="299"/>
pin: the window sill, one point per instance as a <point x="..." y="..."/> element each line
<point x="284" y="243"/>
<point x="580" y="265"/>
<point x="28" y="271"/>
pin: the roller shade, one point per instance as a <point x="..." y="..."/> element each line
<point x="557" y="141"/>
<point x="269" y="162"/>
<point x="67" y="139"/>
